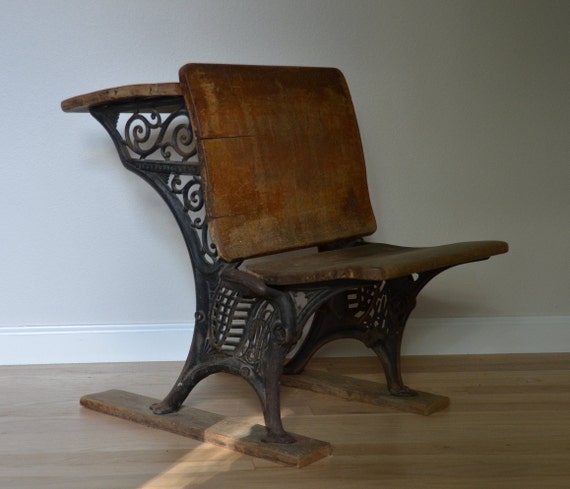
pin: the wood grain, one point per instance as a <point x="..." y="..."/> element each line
<point x="82" y="103"/>
<point x="283" y="165"/>
<point x="373" y="261"/>
<point x="508" y="426"/>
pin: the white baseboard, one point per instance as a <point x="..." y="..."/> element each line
<point x="26" y="345"/>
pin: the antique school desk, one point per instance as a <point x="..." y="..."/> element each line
<point x="256" y="161"/>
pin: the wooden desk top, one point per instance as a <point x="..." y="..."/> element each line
<point x="82" y="103"/>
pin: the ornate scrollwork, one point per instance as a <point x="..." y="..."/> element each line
<point x="190" y="192"/>
<point x="158" y="136"/>
<point x="188" y="189"/>
<point x="155" y="139"/>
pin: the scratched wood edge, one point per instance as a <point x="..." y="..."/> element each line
<point x="208" y="427"/>
<point x="366" y="391"/>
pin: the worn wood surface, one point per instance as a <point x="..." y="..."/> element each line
<point x="365" y="391"/>
<point x="508" y="426"/>
<point x="208" y="427"/>
<point x="282" y="160"/>
<point x="283" y="168"/>
<point x="370" y="262"/>
<point x="81" y="103"/>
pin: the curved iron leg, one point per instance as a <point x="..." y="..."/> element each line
<point x="387" y="346"/>
<point x="196" y="355"/>
<point x="270" y="397"/>
<point x="377" y="318"/>
<point x="386" y="339"/>
<point x="264" y="380"/>
<point x="284" y="334"/>
<point x="179" y="183"/>
<point x="326" y="326"/>
<point x="185" y="381"/>
<point x="258" y="357"/>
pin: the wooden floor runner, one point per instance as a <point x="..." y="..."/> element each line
<point x="206" y="426"/>
<point x="360" y="390"/>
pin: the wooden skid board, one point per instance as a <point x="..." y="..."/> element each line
<point x="206" y="426"/>
<point x="365" y="391"/>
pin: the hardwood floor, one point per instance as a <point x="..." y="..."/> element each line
<point x="508" y="426"/>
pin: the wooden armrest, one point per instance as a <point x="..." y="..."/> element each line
<point x="82" y="103"/>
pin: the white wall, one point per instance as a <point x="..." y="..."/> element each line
<point x="464" y="112"/>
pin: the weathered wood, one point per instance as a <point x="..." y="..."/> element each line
<point x="372" y="261"/>
<point x="82" y="103"/>
<point x="209" y="427"/>
<point x="283" y="165"/>
<point x="353" y="389"/>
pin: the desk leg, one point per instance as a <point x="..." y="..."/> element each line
<point x="376" y="315"/>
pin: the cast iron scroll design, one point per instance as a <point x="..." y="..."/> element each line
<point x="155" y="143"/>
<point x="256" y="337"/>
<point x="166" y="136"/>
<point x="242" y="326"/>
<point x="154" y="139"/>
<point x="188" y="189"/>
<point x="156" y="130"/>
<point x="253" y="327"/>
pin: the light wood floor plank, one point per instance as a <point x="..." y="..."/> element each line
<point x="508" y="426"/>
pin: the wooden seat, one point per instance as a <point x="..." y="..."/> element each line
<point x="255" y="161"/>
<point x="284" y="169"/>
<point x="370" y="262"/>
